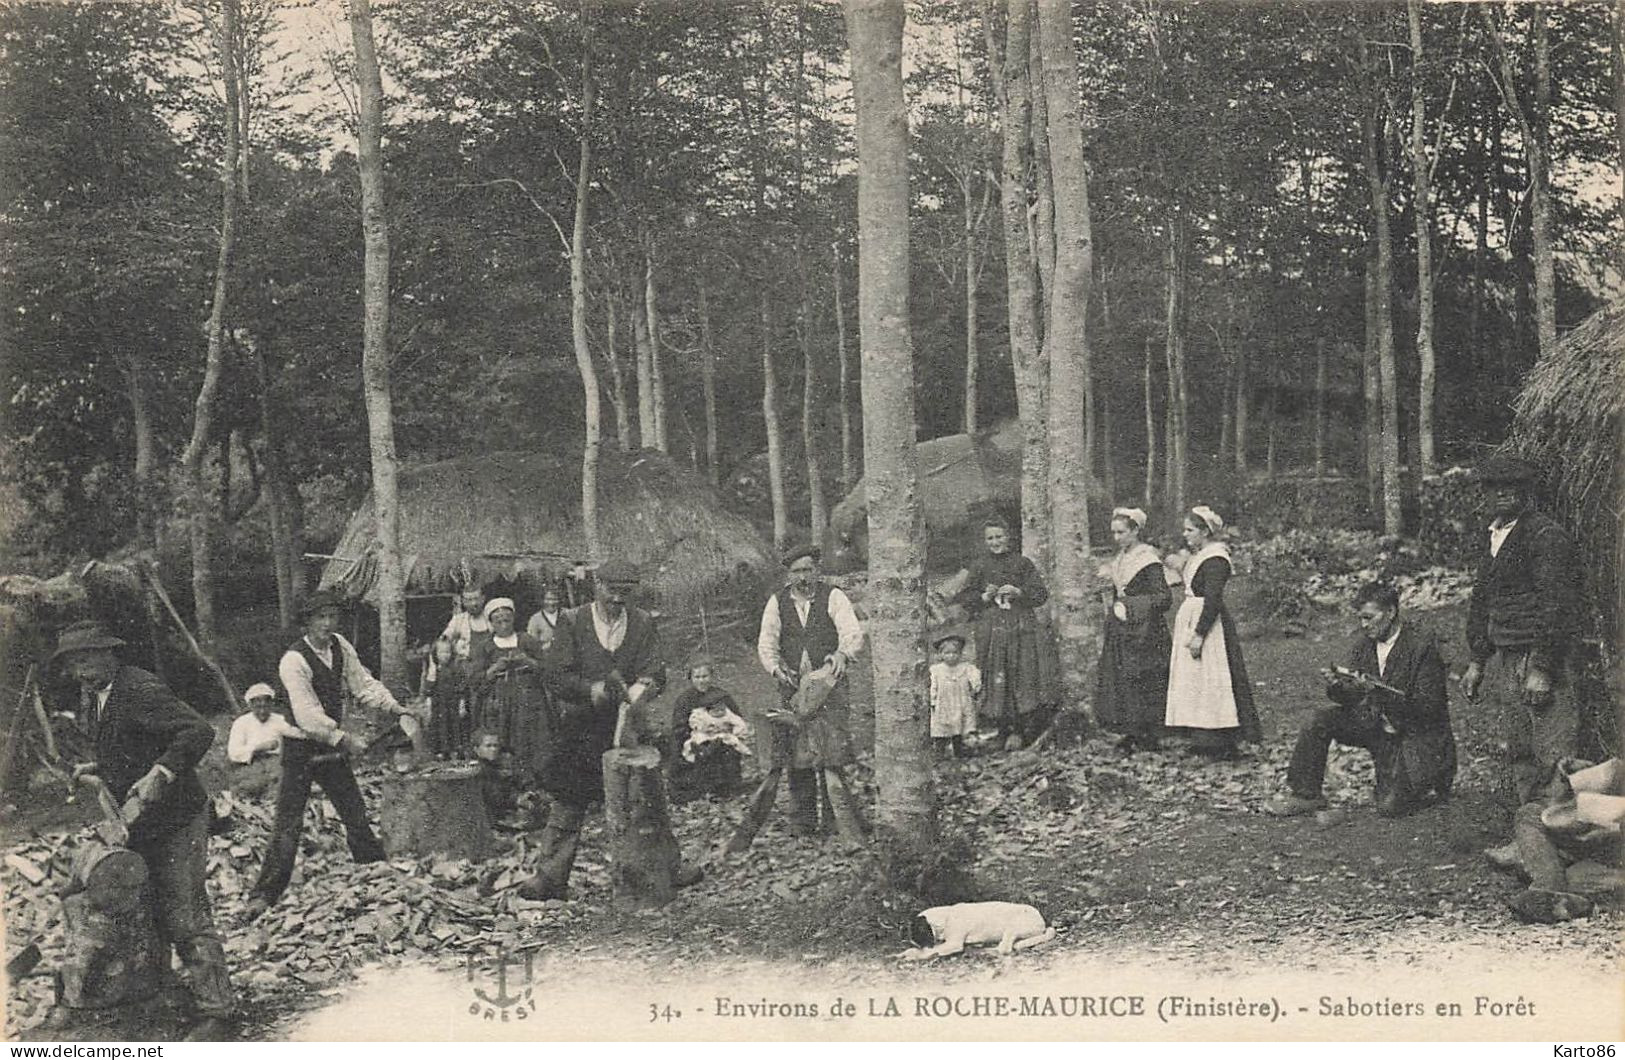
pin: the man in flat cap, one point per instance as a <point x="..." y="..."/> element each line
<point x="605" y="655"/>
<point x="808" y="636"/>
<point x="1521" y="626"/>
<point x="321" y="674"/>
<point x="147" y="745"/>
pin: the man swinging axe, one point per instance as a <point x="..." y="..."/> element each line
<point x="808" y="637"/>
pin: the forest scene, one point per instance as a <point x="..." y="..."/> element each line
<point x="365" y="309"/>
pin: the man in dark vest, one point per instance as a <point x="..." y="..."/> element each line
<point x="604" y="655"/>
<point x="808" y="637"/>
<point x="1521" y="625"/>
<point x="147" y="745"/>
<point x="320" y="673"/>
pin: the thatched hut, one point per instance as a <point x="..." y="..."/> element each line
<point x="514" y="518"/>
<point x="963" y="478"/>
<point x="1568" y="422"/>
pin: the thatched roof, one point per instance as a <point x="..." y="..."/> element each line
<point x="1567" y="421"/>
<point x="961" y="476"/>
<point x="516" y="515"/>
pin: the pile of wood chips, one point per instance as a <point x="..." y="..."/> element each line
<point x="335" y="917"/>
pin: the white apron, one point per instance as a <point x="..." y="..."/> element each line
<point x="1200" y="695"/>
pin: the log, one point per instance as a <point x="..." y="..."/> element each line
<point x="643" y="856"/>
<point x="113" y="955"/>
<point x="435" y="810"/>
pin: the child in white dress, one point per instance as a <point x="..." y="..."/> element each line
<point x="956" y="686"/>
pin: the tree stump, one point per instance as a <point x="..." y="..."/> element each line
<point x="643" y="855"/>
<point x="435" y="810"/>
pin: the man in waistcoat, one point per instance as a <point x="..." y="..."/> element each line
<point x="1522" y="622"/>
<point x="604" y="655"/>
<point x="147" y="745"/>
<point x="321" y="673"/>
<point x="809" y="634"/>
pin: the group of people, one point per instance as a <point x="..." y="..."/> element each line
<point x="1150" y="682"/>
<point x="556" y="696"/>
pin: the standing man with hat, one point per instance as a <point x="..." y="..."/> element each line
<point x="809" y="634"/>
<point x="605" y="654"/>
<point x="320" y="672"/>
<point x="1521" y="625"/>
<point x="147" y="745"/>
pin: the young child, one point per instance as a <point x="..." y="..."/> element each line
<point x="955" y="688"/>
<point x="497" y="789"/>
<point x="708" y="735"/>
<point x="446" y="686"/>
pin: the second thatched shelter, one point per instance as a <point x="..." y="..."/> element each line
<point x="1567" y="422"/>
<point x="516" y="517"/>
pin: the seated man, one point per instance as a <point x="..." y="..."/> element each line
<point x="258" y="733"/>
<point x="1389" y="699"/>
<point x="1565" y="842"/>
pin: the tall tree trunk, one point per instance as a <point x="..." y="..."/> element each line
<point x="1243" y="402"/>
<point x="593" y="418"/>
<point x="1422" y="210"/>
<point x="1028" y="359"/>
<point x="146" y="457"/>
<point x="1371" y="381"/>
<point x="647" y="434"/>
<point x="1320" y="406"/>
<point x="200" y="508"/>
<point x="1174" y="314"/>
<point x="906" y="805"/>
<point x="971" y="308"/>
<point x="286" y="547"/>
<point x="1066" y="339"/>
<point x="1377" y="179"/>
<point x="1481" y="250"/>
<point x="770" y="420"/>
<point x="1533" y="131"/>
<point x="849" y="460"/>
<point x="617" y="377"/>
<point x="811" y="420"/>
<point x="1043" y="209"/>
<point x="708" y="384"/>
<point x="1617" y="56"/>
<point x="391" y="586"/>
<point x="1150" y="426"/>
<point x="657" y="369"/>
<point x="1270" y="428"/>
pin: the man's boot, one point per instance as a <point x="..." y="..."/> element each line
<point x="205" y="962"/>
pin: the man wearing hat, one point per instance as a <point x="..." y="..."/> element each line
<point x="147" y="745"/>
<point x="606" y="654"/>
<point x="319" y="672"/>
<point x="1521" y="625"/>
<point x="809" y="634"/>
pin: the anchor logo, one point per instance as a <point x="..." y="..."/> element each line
<point x="503" y="1006"/>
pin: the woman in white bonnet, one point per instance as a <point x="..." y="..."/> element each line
<point x="1208" y="689"/>
<point x="1132" y="692"/>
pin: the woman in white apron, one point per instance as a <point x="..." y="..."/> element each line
<point x="1208" y="690"/>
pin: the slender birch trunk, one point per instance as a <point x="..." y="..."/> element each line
<point x="375" y="373"/>
<point x="906" y="805"/>
<point x="200" y="513"/>
<point x="1066" y="339"/>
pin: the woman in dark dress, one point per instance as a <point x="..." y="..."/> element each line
<point x="1014" y="648"/>
<point x="1208" y="689"/>
<point x="506" y="676"/>
<point x="1132" y="695"/>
